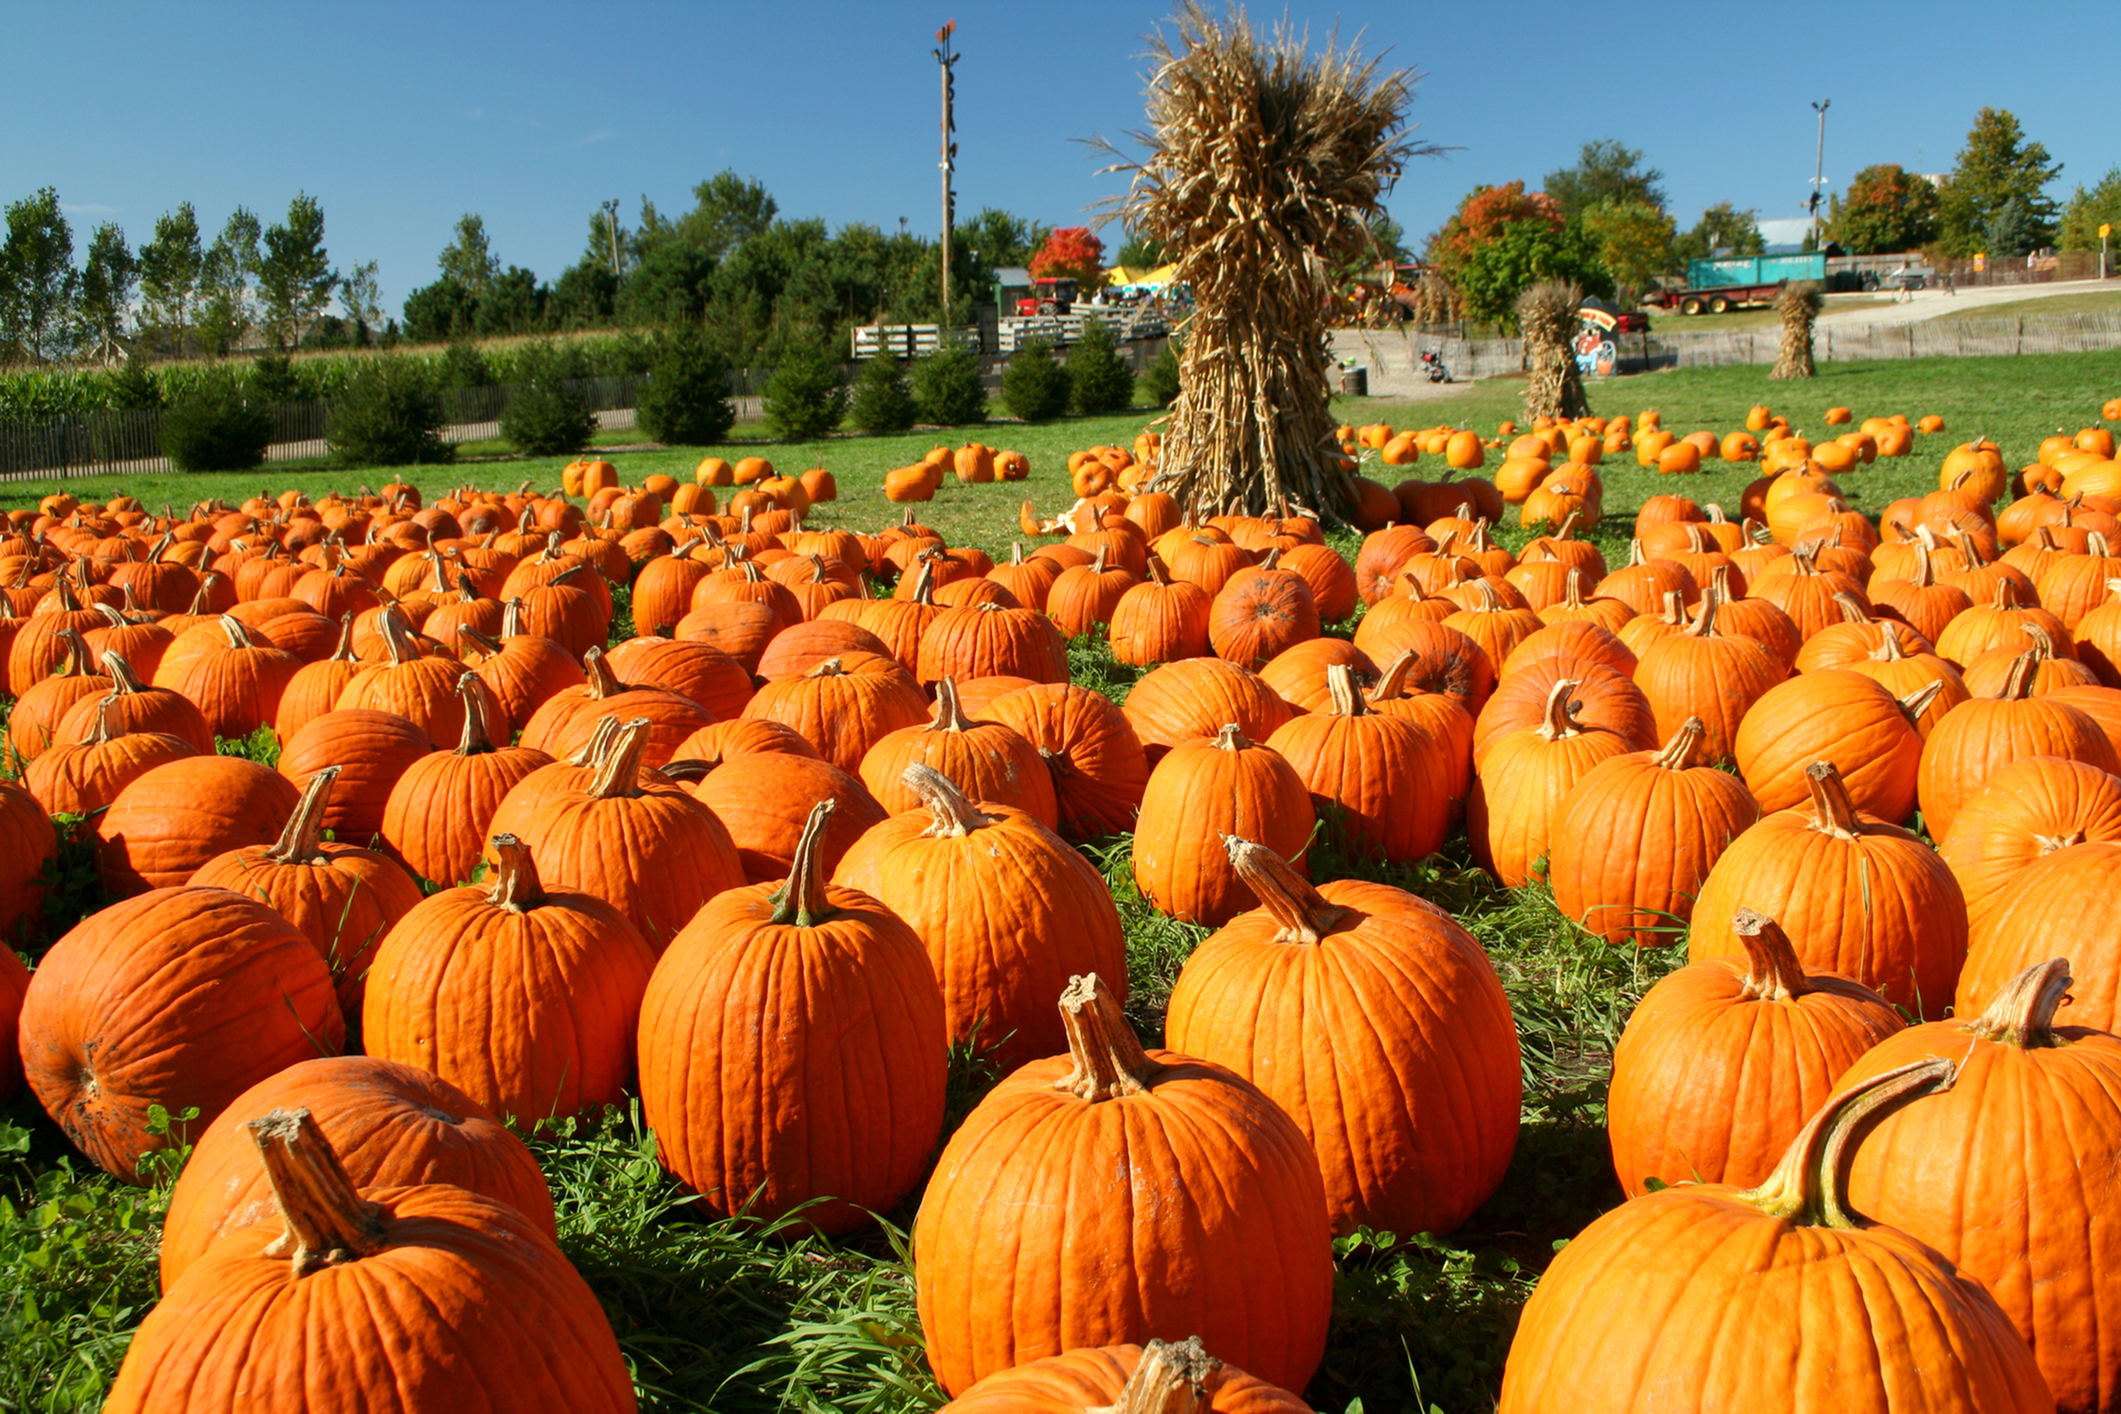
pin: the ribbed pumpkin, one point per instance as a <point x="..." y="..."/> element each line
<point x="525" y="1000"/>
<point x="986" y="640"/>
<point x="2032" y="1129"/>
<point x="1203" y="790"/>
<point x="699" y="671"/>
<point x="764" y="800"/>
<point x="1021" y="1214"/>
<point x="2062" y="904"/>
<point x="422" y="690"/>
<point x="1839" y="716"/>
<point x="133" y="706"/>
<point x="1602" y="698"/>
<point x="1856" y="894"/>
<point x="1084" y="596"/>
<point x="523" y="670"/>
<point x="569" y="717"/>
<point x="1160" y="620"/>
<point x="1724" y="1060"/>
<point x="1709" y="674"/>
<point x="792" y="1049"/>
<point x="173" y="818"/>
<point x="436" y="815"/>
<point x="1378" y="1024"/>
<point x="742" y="736"/>
<point x="2023" y="813"/>
<point x="1997" y="624"/>
<point x="1985" y="734"/>
<point x="1833" y="1312"/>
<point x="433" y="1296"/>
<point x="80" y="778"/>
<point x="14" y="983"/>
<point x="1099" y="768"/>
<point x="1007" y="910"/>
<point x="800" y="647"/>
<point x="182" y="997"/>
<point x="391" y="1125"/>
<point x="628" y="837"/>
<point x="371" y="751"/>
<point x="1159" y="1378"/>
<point x="1636" y="836"/>
<point x="33" y="721"/>
<point x="841" y="712"/>
<point x="989" y="761"/>
<point x="343" y="898"/>
<point x="236" y="685"/>
<point x="1525" y="779"/>
<point x="1188" y="700"/>
<point x="1389" y="776"/>
<point x="1259" y="611"/>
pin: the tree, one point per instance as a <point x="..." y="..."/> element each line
<point x="544" y="416"/>
<point x="1722" y="228"/>
<point x="2012" y="230"/>
<point x="1634" y="241"/>
<point x="469" y="259"/>
<point x="514" y="303"/>
<point x="295" y="277"/>
<point x="1000" y="238"/>
<point x="1099" y="379"/>
<point x="361" y="296"/>
<point x="1605" y="171"/>
<point x="882" y="399"/>
<point x="1070" y="253"/>
<point x="1885" y="210"/>
<point x="227" y="309"/>
<point x="727" y="211"/>
<point x="686" y="402"/>
<point x="1482" y="217"/>
<point x="668" y="287"/>
<point x="107" y="283"/>
<point x="213" y="428"/>
<point x="586" y="293"/>
<point x="1996" y="166"/>
<point x="804" y="399"/>
<point x="2088" y="210"/>
<point x="439" y="312"/>
<point x="38" y="283"/>
<point x="947" y="387"/>
<point x="1528" y="251"/>
<point x="1141" y="253"/>
<point x="170" y="267"/>
<point x="1034" y="383"/>
<point x="387" y="416"/>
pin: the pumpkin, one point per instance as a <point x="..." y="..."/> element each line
<point x="1099" y="768"/>
<point x="1184" y="701"/>
<point x="1839" y="716"/>
<point x="2023" y="813"/>
<point x="628" y="837"/>
<point x="343" y="898"/>
<point x="792" y="1049"/>
<point x="1159" y="1378"/>
<point x="370" y="750"/>
<point x="1006" y="910"/>
<point x="237" y="684"/>
<point x="1998" y="624"/>
<point x="171" y="819"/>
<point x="1160" y="620"/>
<point x="14" y="983"/>
<point x="845" y="705"/>
<point x="990" y="762"/>
<point x="991" y="639"/>
<point x="316" y="687"/>
<point x="1706" y="673"/>
<point x="133" y="706"/>
<point x="422" y="690"/>
<point x="1636" y="836"/>
<point x="1317" y="986"/>
<point x="1984" y="734"/>
<point x="763" y="800"/>
<point x="1857" y="896"/>
<point x="81" y="778"/>
<point x="391" y="1126"/>
<point x="1389" y="777"/>
<point x="28" y="845"/>
<point x="1524" y="780"/>
<point x="1724" y="1060"/>
<point x="182" y="998"/>
<point x="1009" y="1229"/>
<point x="1259" y="612"/>
<point x="433" y="1294"/>
<point x="797" y="649"/>
<point x="569" y="716"/>
<point x="741" y="736"/>
<point x="1203" y="790"/>
<point x="2061" y="903"/>
<point x="34" y="720"/>
<point x="435" y="818"/>
<point x="1834" y="1312"/>
<point x="1602" y="697"/>
<point x="690" y="668"/>
<point x="525" y="1000"/>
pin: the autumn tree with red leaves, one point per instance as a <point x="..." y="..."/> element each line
<point x="1070" y="253"/>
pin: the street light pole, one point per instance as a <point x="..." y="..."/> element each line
<point x="1819" y="167"/>
<point x="611" y="224"/>
<point x="947" y="60"/>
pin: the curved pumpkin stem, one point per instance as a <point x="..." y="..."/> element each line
<point x="801" y="901"/>
<point x="2043" y="641"/>
<point x="2023" y="1013"/>
<point x="2018" y="685"/>
<point x="1173" y="1377"/>
<point x="398" y="642"/>
<point x="603" y="682"/>
<point x="949" y="712"/>
<point x="1810" y="1186"/>
<point x="619" y="773"/>
<point x="1304" y="913"/>
<point x="1558" y="721"/>
<point x="512" y="618"/>
<point x="124" y="681"/>
<point x="1678" y="753"/>
<point x="516" y="886"/>
<point x="1704" y="625"/>
<point x="1340" y="687"/>
<point x="600" y="735"/>
<point x="478" y="733"/>
<point x="1773" y="971"/>
<point x="955" y="814"/>
<point x="1108" y="1057"/>
<point x="101" y="734"/>
<point x="344" y="653"/>
<point x="299" y="843"/>
<point x="1833" y="811"/>
<point x="1888" y="649"/>
<point x="328" y="1222"/>
<point x="79" y="657"/>
<point x="1917" y="702"/>
<point x="1392" y="685"/>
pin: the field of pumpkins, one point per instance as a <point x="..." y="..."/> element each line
<point x="1115" y="919"/>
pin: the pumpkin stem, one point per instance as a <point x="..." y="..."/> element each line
<point x="830" y="668"/>
<point x="516" y="886"/>
<point x="599" y="742"/>
<point x="1231" y="737"/>
<point x="955" y="814"/>
<point x="102" y="735"/>
<point x="2018" y="685"/>
<point x="949" y="712"/>
<point x="478" y="735"/>
<point x="1704" y="625"/>
<point x="467" y="634"/>
<point x="1558" y="722"/>
<point x="328" y="1222"/>
<point x="397" y="637"/>
<point x="2043" y="641"/>
<point x="1172" y="1378"/>
<point x="1393" y="684"/>
<point x="1888" y="649"/>
<point x="1773" y="973"/>
<point x="1340" y="686"/>
<point x="1852" y="609"/>
<point x="79" y="656"/>
<point x="2023" y="1013"/>
<point x="298" y="843"/>
<point x="1303" y="912"/>
<point x="121" y="673"/>
<point x="1108" y="1057"/>
<point x="1678" y="753"/>
<point x="619" y="773"/>
<point x="801" y="901"/>
<point x="1833" y="811"/>
<point x="1810" y="1186"/>
<point x="603" y="682"/>
<point x="1917" y="702"/>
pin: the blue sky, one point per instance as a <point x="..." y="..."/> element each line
<point x="400" y="117"/>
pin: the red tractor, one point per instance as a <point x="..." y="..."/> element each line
<point x="1050" y="295"/>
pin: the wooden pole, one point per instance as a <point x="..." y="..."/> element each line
<point x="946" y="59"/>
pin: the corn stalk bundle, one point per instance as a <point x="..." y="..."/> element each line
<point x="1546" y="312"/>
<point x="1264" y="164"/>
<point x="1436" y="300"/>
<point x="1797" y="306"/>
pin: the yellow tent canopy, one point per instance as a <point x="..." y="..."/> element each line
<point x="1141" y="275"/>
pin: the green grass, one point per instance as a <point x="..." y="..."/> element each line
<point x="2082" y="302"/>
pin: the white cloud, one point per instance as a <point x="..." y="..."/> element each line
<point x="600" y="135"/>
<point x="87" y="208"/>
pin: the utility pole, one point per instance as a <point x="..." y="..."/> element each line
<point x="947" y="58"/>
<point x="1819" y="168"/>
<point x="611" y="223"/>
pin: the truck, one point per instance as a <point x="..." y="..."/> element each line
<point x="1719" y="285"/>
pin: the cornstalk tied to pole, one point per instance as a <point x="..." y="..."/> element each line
<point x="1264" y="166"/>
<point x="1797" y="306"/>
<point x="1546" y="313"/>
